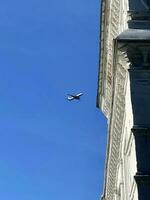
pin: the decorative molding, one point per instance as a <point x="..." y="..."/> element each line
<point x="128" y="146"/>
<point x="133" y="189"/>
<point x="115" y="130"/>
<point x="110" y="23"/>
<point x="130" y="53"/>
<point x="112" y="87"/>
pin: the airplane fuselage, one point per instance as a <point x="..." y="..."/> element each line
<point x="74" y="97"/>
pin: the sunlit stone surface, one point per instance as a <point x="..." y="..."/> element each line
<point x="124" y="97"/>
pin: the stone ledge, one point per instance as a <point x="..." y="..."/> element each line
<point x="141" y="130"/>
<point x="139" y="15"/>
<point x="142" y="179"/>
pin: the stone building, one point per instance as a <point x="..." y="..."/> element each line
<point x="124" y="97"/>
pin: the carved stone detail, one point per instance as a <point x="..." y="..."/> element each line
<point x="112" y="78"/>
<point x="115" y="133"/>
<point x="129" y="55"/>
<point x="110" y="28"/>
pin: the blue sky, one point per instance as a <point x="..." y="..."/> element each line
<point x="50" y="148"/>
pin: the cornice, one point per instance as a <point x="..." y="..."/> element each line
<point x="142" y="178"/>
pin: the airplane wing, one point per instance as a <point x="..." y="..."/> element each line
<point x="80" y="94"/>
<point x="70" y="98"/>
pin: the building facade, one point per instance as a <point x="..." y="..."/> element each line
<point x="124" y="97"/>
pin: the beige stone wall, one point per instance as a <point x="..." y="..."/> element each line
<point x="127" y="164"/>
<point x="115" y="102"/>
<point x="113" y="22"/>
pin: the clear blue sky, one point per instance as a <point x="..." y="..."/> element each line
<point x="50" y="148"/>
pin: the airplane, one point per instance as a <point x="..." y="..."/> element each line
<point x="74" y="97"/>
